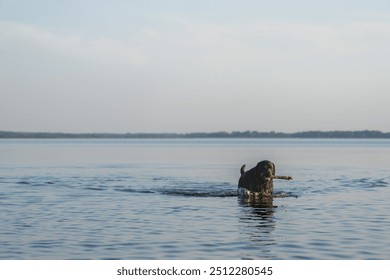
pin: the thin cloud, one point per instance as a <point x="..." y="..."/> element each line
<point x="207" y="42"/>
<point x="69" y="45"/>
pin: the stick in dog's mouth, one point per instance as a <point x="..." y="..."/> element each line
<point x="282" y="177"/>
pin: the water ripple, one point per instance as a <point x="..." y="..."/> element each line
<point x="366" y="183"/>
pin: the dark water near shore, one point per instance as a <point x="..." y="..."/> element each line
<point x="176" y="199"/>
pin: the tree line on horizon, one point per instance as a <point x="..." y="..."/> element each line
<point x="221" y="134"/>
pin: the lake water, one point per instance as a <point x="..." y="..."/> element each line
<point x="176" y="199"/>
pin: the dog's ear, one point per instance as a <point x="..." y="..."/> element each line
<point x="273" y="169"/>
<point x="260" y="164"/>
<point x="260" y="167"/>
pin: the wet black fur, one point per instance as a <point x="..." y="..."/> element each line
<point x="258" y="180"/>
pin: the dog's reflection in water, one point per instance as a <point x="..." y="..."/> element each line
<point x="256" y="202"/>
<point x="257" y="222"/>
<point x="257" y="209"/>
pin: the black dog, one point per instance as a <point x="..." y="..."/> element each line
<point x="258" y="182"/>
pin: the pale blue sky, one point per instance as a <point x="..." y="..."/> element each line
<point x="184" y="66"/>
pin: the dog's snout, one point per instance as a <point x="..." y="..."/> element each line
<point x="268" y="173"/>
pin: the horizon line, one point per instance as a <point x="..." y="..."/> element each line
<point x="216" y="134"/>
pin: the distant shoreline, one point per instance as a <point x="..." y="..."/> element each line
<point x="361" y="134"/>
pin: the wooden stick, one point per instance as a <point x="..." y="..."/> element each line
<point x="282" y="177"/>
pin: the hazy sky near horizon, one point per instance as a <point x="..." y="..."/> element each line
<point x="185" y="66"/>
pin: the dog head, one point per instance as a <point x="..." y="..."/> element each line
<point x="265" y="169"/>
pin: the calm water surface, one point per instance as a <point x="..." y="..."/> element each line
<point x="176" y="199"/>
